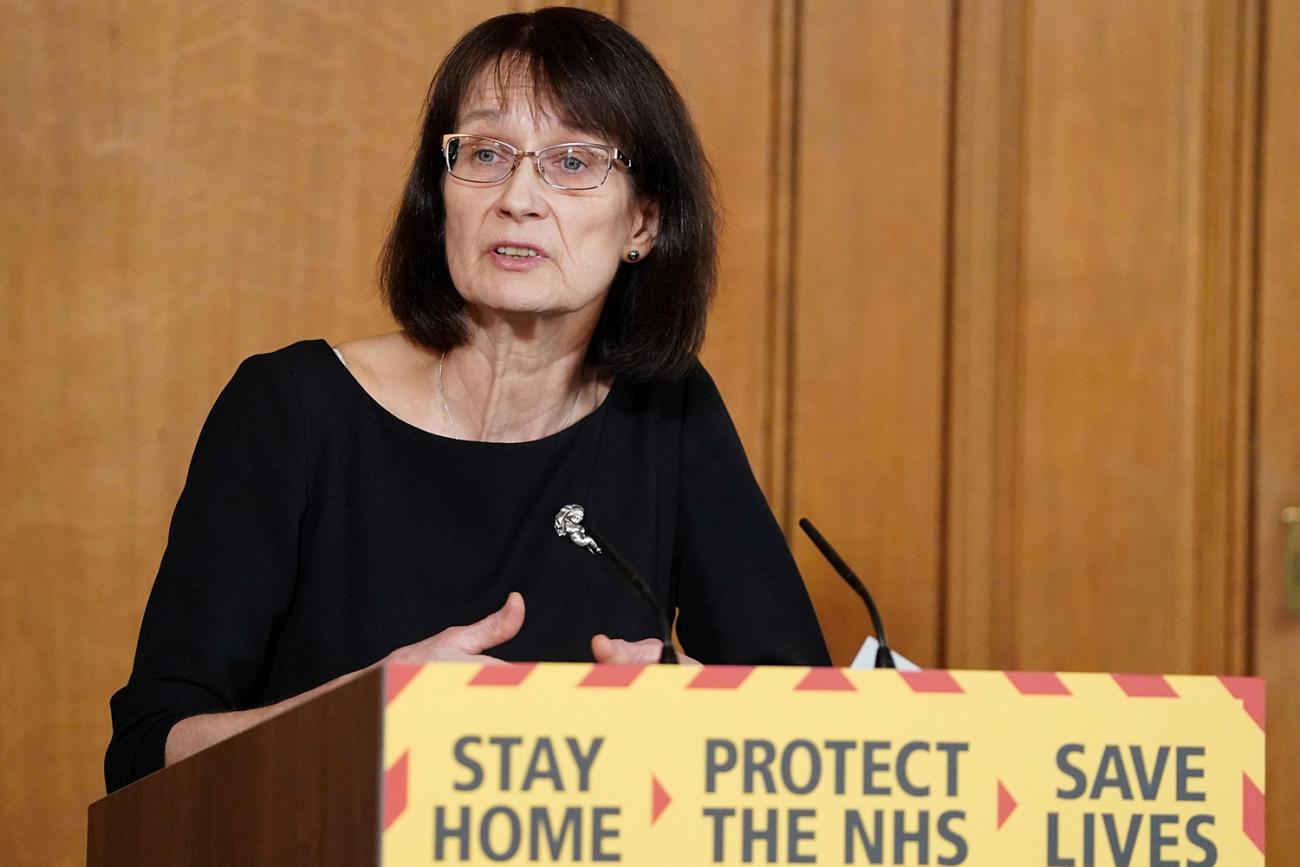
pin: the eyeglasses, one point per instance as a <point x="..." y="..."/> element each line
<point x="572" y="166"/>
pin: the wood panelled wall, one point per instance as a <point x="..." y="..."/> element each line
<point x="1100" y="436"/>
<point x="1275" y="485"/>
<point x="1009" y="303"/>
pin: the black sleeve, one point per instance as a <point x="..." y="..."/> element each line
<point x="740" y="597"/>
<point x="227" y="573"/>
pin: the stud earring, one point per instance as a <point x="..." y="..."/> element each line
<point x="633" y="255"/>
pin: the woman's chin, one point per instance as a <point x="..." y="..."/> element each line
<point x="512" y="303"/>
<point x="518" y="307"/>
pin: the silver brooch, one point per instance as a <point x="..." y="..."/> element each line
<point x="568" y="522"/>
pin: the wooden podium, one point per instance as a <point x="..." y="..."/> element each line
<point x="301" y="788"/>
<point x="571" y="764"/>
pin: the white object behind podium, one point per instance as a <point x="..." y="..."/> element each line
<point x="866" y="657"/>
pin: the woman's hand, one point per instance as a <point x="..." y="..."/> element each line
<point x="467" y="643"/>
<point x="455" y="644"/>
<point x="616" y="651"/>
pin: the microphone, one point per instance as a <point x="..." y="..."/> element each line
<point x="884" y="656"/>
<point x="568" y="522"/>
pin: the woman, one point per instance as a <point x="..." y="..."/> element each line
<point x="550" y="268"/>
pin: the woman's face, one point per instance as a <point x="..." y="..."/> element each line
<point x="579" y="236"/>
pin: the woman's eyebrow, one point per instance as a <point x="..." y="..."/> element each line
<point x="481" y="114"/>
<point x="494" y="115"/>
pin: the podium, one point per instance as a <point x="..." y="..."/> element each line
<point x="301" y="788"/>
<point x="578" y="764"/>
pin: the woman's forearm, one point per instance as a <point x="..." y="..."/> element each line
<point x="196" y="733"/>
<point x="454" y="644"/>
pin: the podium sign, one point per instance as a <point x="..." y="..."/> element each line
<point x="580" y="764"/>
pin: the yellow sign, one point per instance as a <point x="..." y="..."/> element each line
<point x="676" y="765"/>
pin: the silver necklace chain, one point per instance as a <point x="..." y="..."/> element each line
<point x="451" y="422"/>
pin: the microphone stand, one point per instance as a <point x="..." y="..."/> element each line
<point x="884" y="656"/>
<point x="568" y="522"/>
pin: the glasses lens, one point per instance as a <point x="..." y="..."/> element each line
<point x="575" y="167"/>
<point x="481" y="160"/>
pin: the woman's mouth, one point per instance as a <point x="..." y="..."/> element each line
<point x="513" y="257"/>
<point x="515" y="252"/>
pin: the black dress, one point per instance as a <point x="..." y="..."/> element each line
<point x="317" y="532"/>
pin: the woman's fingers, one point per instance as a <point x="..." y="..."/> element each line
<point x="467" y="643"/>
<point x="616" y="651"/>
<point x="497" y="628"/>
<point x="481" y="660"/>
<point x="683" y="659"/>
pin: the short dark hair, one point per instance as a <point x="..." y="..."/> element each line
<point x="594" y="76"/>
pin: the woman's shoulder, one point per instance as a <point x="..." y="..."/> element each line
<point x="294" y="358"/>
<point x="307" y="386"/>
<point x="394" y="370"/>
<point x="685" y="399"/>
<point x="386" y="353"/>
<point x="693" y="388"/>
<point x="295" y="369"/>
<point x="381" y="359"/>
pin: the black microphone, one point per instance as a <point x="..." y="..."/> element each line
<point x="568" y="522"/>
<point x="884" y="656"/>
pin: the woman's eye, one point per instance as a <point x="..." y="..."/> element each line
<point x="572" y="162"/>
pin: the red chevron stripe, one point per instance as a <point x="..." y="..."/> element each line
<point x="510" y="674"/>
<point x="612" y="675"/>
<point x="1037" y="682"/>
<point x="1252" y="812"/>
<point x="1251" y="692"/>
<point x="1144" y="685"/>
<point x="720" y="677"/>
<point x="396" y="676"/>
<point x="931" y="681"/>
<point x="395" y="790"/>
<point x="825" y="680"/>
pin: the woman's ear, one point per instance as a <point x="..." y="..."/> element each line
<point x="645" y="226"/>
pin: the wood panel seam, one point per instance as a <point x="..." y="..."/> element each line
<point x="947" y="372"/>
<point x="1253" y="334"/>
<point x="789" y="51"/>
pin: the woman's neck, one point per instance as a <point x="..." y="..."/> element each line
<point x="502" y="386"/>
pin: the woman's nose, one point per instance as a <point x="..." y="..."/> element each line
<point x="522" y="193"/>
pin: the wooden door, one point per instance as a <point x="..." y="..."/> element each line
<point x="1277" y="450"/>
<point x="1099" y="441"/>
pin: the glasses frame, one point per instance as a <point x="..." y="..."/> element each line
<point x="616" y="156"/>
